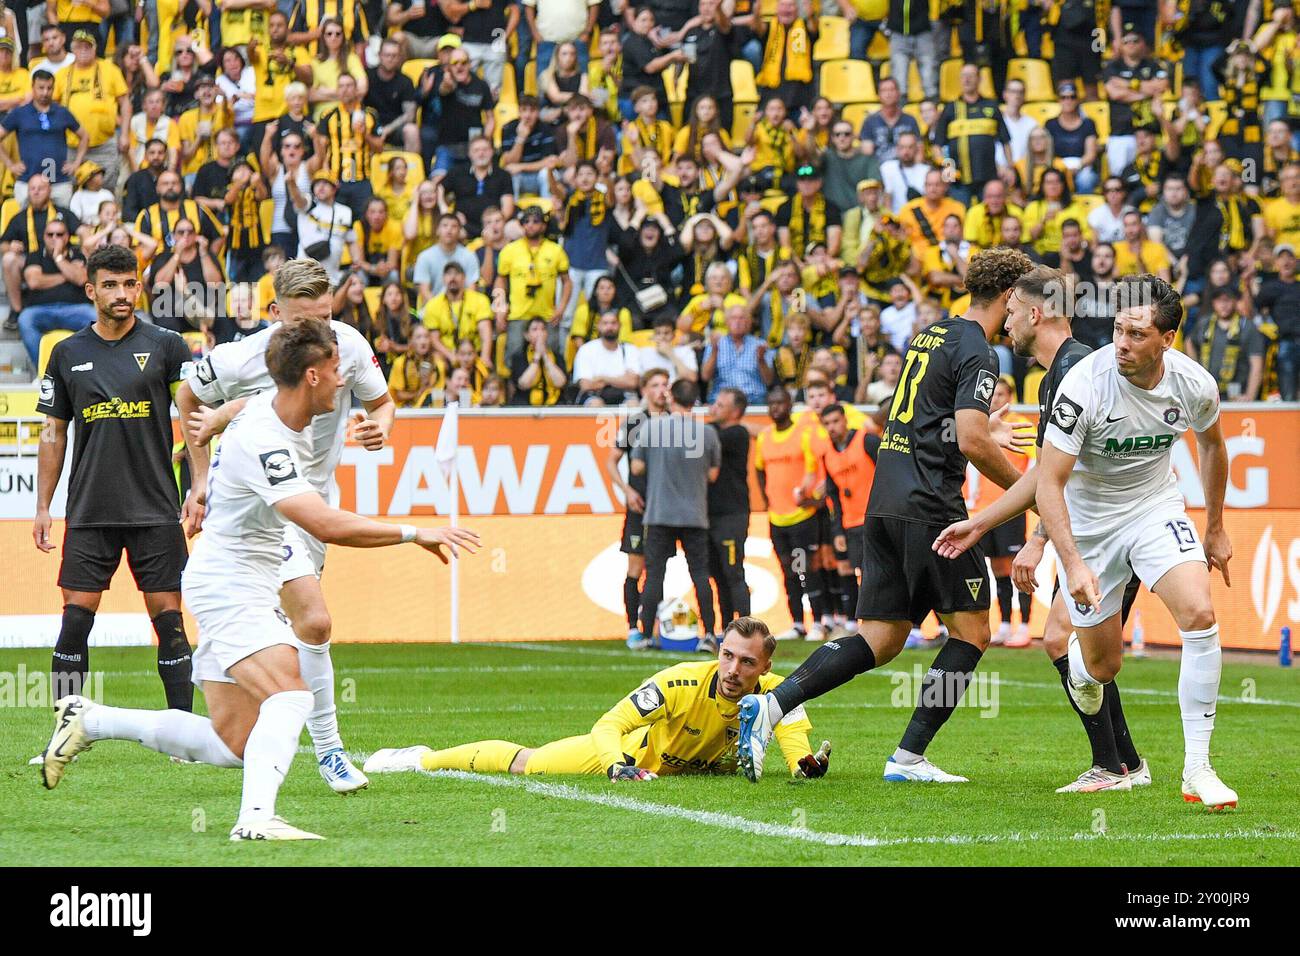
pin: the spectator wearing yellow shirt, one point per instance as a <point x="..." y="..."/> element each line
<point x="983" y="227"/>
<point x="152" y="123"/>
<point x="418" y="372"/>
<point x="243" y="21"/>
<point x="398" y="189"/>
<point x="1282" y="215"/>
<point x="72" y="16"/>
<point x="772" y="135"/>
<point x="275" y="65"/>
<point x="1137" y="254"/>
<point x="645" y="132"/>
<point x="334" y="61"/>
<point x="923" y="218"/>
<point x="529" y="272"/>
<point x="603" y="300"/>
<point x="703" y="120"/>
<point x="95" y="91"/>
<point x="1043" y="217"/>
<point x="708" y="310"/>
<point x="862" y="218"/>
<point x="786" y="70"/>
<point x="456" y="314"/>
<point x="15" y="81"/>
<point x="378" y="245"/>
<point x="943" y="267"/>
<point x="1040" y="156"/>
<point x="198" y="127"/>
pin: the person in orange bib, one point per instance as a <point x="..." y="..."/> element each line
<point x="850" y="465"/>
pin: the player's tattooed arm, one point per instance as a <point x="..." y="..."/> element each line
<point x="1213" y="455"/>
<point x="49" y="466"/>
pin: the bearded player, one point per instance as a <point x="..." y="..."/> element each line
<point x="681" y="721"/>
<point x="230" y="374"/>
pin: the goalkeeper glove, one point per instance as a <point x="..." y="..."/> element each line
<point x="815" y="765"/>
<point x="621" y="771"/>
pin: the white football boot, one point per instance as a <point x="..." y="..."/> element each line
<point x="68" y="740"/>
<point x="341" y="774"/>
<point x="1097" y="778"/>
<point x="276" y="828"/>
<point x="1141" y="777"/>
<point x="396" y="759"/>
<point x="1204" y="786"/>
<point x="794" y="634"/>
<point x="755" y="734"/>
<point x="816" y="634"/>
<point x="921" y="772"/>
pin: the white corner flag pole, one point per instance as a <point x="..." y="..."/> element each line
<point x="445" y="455"/>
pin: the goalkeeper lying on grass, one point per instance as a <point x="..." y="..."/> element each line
<point x="682" y="720"/>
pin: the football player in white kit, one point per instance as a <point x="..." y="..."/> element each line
<point x="247" y="662"/>
<point x="230" y="374"/>
<point x="1109" y="499"/>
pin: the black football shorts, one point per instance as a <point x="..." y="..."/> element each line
<point x="904" y="580"/>
<point x="156" y="554"/>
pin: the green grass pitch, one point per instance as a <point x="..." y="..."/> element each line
<point x="123" y="805"/>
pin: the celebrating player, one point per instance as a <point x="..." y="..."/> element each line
<point x="690" y="710"/>
<point x="938" y="420"/>
<point x="247" y="659"/>
<point x="232" y="372"/>
<point x="116" y="379"/>
<point x="1038" y="325"/>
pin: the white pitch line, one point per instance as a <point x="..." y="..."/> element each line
<point x="730" y="821"/>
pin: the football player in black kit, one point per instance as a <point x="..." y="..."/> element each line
<point x="937" y="422"/>
<point x="115" y="379"/>
<point x="1038" y="324"/>
<point x="729" y="506"/>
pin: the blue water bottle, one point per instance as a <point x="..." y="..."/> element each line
<point x="1284" y="649"/>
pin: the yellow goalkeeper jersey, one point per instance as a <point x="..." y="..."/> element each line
<point x="678" y="722"/>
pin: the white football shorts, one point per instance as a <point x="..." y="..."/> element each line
<point x="229" y="633"/>
<point x="303" y="555"/>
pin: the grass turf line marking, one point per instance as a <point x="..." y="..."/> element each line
<point x="729" y="821"/>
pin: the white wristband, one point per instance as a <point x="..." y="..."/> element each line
<point x="408" y="533"/>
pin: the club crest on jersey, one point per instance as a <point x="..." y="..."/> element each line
<point x="142" y="359"/>
<point x="1065" y="414"/>
<point x="278" y="465"/>
<point x="1171" y="415"/>
<point x="984" y="387"/>
<point x="647" y="699"/>
<point x="973" y="585"/>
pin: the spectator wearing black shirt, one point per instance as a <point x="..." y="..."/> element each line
<point x="457" y="107"/>
<point x="1074" y="139"/>
<point x="142" y="185"/>
<point x="418" y="24"/>
<point x="212" y="181"/>
<point x="23" y="235"/>
<point x="708" y="43"/>
<point x="729" y="505"/>
<point x="480" y="185"/>
<point x="391" y="95"/>
<point x="648" y="253"/>
<point x="529" y="149"/>
<point x="486" y="27"/>
<point x="1132" y="84"/>
<point x="1229" y="347"/>
<point x="1279" y="300"/>
<point x="972" y="132"/>
<point x="642" y="62"/>
<point x="55" y="297"/>
<point x="538" y="377"/>
<point x="179" y="279"/>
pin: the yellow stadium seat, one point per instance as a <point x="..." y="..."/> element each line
<point x="832" y="39"/>
<point x="1033" y="379"/>
<point x="1217" y="110"/>
<point x="879" y="48"/>
<point x="848" y="81"/>
<point x="675" y="90"/>
<point x="508" y="92"/>
<point x="1089" y="201"/>
<point x="914" y="110"/>
<point x="48" y="341"/>
<point x="504" y="113"/>
<point x="7" y="212"/>
<point x="415" y="68"/>
<point x="1037" y="77"/>
<point x="530" y="78"/>
<point x="379" y="168"/>
<point x="743" y="87"/>
<point x="1042" y="112"/>
<point x="950" y="80"/>
<point x="1099" y="113"/>
<point x="373" y="294"/>
<point x="740" y="116"/>
<point x="855" y="114"/>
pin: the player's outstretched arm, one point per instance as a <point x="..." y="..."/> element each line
<point x="960" y="536"/>
<point x="1054" y="467"/>
<point x="1213" y="454"/>
<point x="49" y="466"/>
<point x="333" y="526"/>
<point x="641" y="708"/>
<point x="981" y="450"/>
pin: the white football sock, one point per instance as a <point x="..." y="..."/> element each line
<point x="1078" y="669"/>
<point x="1198" y="693"/>
<point x="317" y="669"/>
<point x="270" y="750"/>
<point x="175" y="732"/>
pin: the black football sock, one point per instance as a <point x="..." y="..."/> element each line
<point x="1005" y="604"/>
<point x="632" y="601"/>
<point x="1026" y="607"/>
<point x="174" y="660"/>
<point x="70" y="662"/>
<point x="1098" y="727"/>
<point x="849" y="595"/>
<point x="830" y="665"/>
<point x="831" y="591"/>
<point x="1128" y="754"/>
<point x="941" y="691"/>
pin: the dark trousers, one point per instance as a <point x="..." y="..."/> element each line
<point x="795" y="546"/>
<point x="660" y="545"/>
<point x="727" y="535"/>
<point x="355" y="195"/>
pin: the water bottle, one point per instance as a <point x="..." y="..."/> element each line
<point x="1138" y="647"/>
<point x="1284" y="649"/>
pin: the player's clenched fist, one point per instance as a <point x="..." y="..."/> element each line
<point x="815" y="765"/>
<point x="453" y="539"/>
<point x="621" y="771"/>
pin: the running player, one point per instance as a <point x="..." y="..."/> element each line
<point x="654" y="401"/>
<point x="850" y="466"/>
<point x="230" y="374"/>
<point x="115" y="379"/>
<point x="680" y="721"/>
<point x="1038" y="325"/>
<point x="938" y="420"/>
<point x="1109" y="444"/>
<point x="247" y="661"/>
<point x="786" y="468"/>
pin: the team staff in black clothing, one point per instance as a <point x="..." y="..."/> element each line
<point x="948" y="378"/>
<point x="729" y="506"/>
<point x="1037" y="326"/>
<point x="115" y="379"/>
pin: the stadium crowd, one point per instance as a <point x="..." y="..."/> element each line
<point x="539" y="202"/>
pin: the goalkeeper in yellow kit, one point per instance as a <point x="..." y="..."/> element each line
<point x="682" y="720"/>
